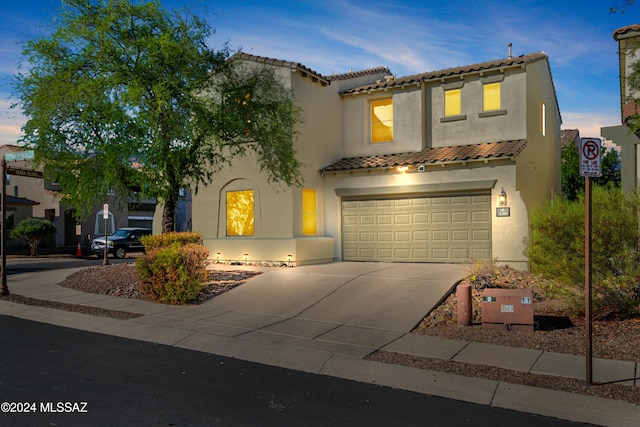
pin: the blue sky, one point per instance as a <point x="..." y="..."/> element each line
<point x="407" y="36"/>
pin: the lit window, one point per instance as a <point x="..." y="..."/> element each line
<point x="543" y="119"/>
<point x="491" y="98"/>
<point x="308" y="211"/>
<point x="452" y="102"/>
<point x="382" y="120"/>
<point x="240" y="213"/>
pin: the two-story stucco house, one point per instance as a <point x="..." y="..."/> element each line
<point x="436" y="167"/>
<point x="628" y="38"/>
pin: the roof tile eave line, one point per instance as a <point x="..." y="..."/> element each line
<point x="460" y="153"/>
<point x="449" y="72"/>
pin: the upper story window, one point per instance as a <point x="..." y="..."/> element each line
<point x="452" y="102"/>
<point x="382" y="120"/>
<point x="308" y="211"/>
<point x="491" y="97"/>
<point x="240" y="213"/>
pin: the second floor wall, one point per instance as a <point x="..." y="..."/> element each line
<point x="460" y="109"/>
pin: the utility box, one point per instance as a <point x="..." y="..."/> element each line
<point x="510" y="309"/>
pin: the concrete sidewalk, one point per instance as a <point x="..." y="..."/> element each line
<point x="326" y="319"/>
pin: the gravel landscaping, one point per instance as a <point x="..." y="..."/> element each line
<point x="556" y="330"/>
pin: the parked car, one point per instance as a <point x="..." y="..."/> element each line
<point x="121" y="242"/>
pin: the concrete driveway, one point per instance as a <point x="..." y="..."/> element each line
<point x="354" y="307"/>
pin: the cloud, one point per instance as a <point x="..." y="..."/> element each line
<point x="589" y="124"/>
<point x="11" y="122"/>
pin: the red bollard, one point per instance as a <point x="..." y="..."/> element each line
<point x="465" y="305"/>
<point x="79" y="251"/>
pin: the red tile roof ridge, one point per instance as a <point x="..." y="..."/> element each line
<point x="625" y="29"/>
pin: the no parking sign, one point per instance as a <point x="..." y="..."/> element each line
<point x="590" y="157"/>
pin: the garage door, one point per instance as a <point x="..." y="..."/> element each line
<point x="422" y="229"/>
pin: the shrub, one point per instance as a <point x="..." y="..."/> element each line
<point x="173" y="274"/>
<point x="164" y="240"/>
<point x="557" y="251"/>
<point x="33" y="231"/>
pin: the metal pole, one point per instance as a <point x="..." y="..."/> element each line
<point x="105" y="261"/>
<point x="4" y="290"/>
<point x="587" y="277"/>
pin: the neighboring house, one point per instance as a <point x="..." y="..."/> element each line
<point x="628" y="38"/>
<point x="569" y="137"/>
<point x="48" y="205"/>
<point x="409" y="169"/>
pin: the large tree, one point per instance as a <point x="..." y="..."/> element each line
<point x="126" y="98"/>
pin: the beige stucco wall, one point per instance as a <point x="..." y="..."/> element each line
<point x="630" y="163"/>
<point x="539" y="173"/>
<point x="407" y="123"/>
<point x="278" y="209"/>
<point x="473" y="127"/>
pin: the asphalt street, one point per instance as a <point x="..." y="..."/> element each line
<point x="58" y="376"/>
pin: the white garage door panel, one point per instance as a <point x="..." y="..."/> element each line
<point x="438" y="229"/>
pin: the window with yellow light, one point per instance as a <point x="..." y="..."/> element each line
<point x="240" y="213"/>
<point x="382" y="120"/>
<point x="452" y="102"/>
<point x="491" y="97"/>
<point x="309" y="211"/>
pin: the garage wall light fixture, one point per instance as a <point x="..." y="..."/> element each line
<point x="502" y="198"/>
<point x="246" y="258"/>
<point x="289" y="260"/>
<point x="217" y="257"/>
<point x="403" y="169"/>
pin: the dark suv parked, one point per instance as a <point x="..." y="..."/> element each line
<point x="122" y="241"/>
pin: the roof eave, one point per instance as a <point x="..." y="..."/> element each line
<point x="445" y="163"/>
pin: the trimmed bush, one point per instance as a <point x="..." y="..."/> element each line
<point x="33" y="231"/>
<point x="164" y="240"/>
<point x="173" y="274"/>
<point x="557" y="251"/>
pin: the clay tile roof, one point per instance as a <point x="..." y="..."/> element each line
<point x="282" y="63"/>
<point x="624" y="30"/>
<point x="568" y="137"/>
<point x="354" y="74"/>
<point x="448" y="72"/>
<point x="630" y="109"/>
<point x="460" y="153"/>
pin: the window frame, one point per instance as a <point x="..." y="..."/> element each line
<point x="307" y="213"/>
<point x="491" y="99"/>
<point x="448" y="99"/>
<point x="381" y="102"/>
<point x="233" y="231"/>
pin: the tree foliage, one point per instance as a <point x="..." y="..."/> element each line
<point x="33" y="231"/>
<point x="557" y="250"/>
<point x="126" y="98"/>
<point x="573" y="182"/>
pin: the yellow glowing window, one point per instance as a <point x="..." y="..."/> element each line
<point x="382" y="120"/>
<point x="452" y="103"/>
<point x="543" y="118"/>
<point x="491" y="97"/>
<point x="240" y="213"/>
<point x="308" y="211"/>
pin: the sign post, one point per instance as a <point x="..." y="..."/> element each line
<point x="590" y="166"/>
<point x="9" y="157"/>
<point x="105" y="216"/>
